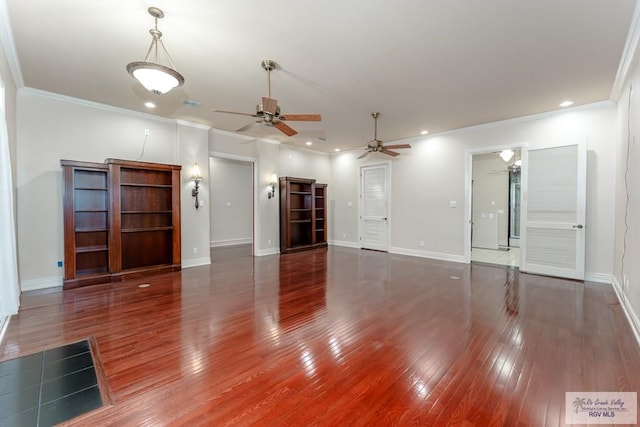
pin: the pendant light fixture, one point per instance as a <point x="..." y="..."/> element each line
<point x="155" y="77"/>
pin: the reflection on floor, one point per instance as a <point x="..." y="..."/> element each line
<point x="510" y="257"/>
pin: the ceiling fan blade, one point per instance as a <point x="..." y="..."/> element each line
<point x="302" y="117"/>
<point x="269" y="105"/>
<point x="233" y="112"/>
<point x="365" y="154"/>
<point x="390" y="153"/>
<point x="247" y="127"/>
<point x="284" y="128"/>
<point x="398" y="146"/>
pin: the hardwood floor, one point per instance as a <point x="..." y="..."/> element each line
<point x="338" y="337"/>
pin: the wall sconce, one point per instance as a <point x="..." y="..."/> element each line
<point x="273" y="183"/>
<point x="196" y="178"/>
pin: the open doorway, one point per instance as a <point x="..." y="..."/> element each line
<point x="495" y="207"/>
<point x="231" y="207"/>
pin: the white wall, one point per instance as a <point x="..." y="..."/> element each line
<point x="265" y="156"/>
<point x="285" y="160"/>
<point x="424" y="179"/>
<point x="193" y="147"/>
<point x="627" y="202"/>
<point x="490" y="196"/>
<point x="343" y="200"/>
<point x="302" y="163"/>
<point x="51" y="128"/>
<point x="430" y="175"/>
<point x="231" y="205"/>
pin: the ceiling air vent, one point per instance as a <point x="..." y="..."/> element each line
<point x="190" y="103"/>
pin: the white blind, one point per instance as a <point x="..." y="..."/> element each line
<point x="554" y="248"/>
<point x="553" y="184"/>
<point x="374" y="193"/>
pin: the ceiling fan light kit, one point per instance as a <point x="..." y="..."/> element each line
<point x="377" y="146"/>
<point x="268" y="112"/>
<point x="155" y="77"/>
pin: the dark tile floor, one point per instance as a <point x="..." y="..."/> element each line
<point x="47" y="388"/>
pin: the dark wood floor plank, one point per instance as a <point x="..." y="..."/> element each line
<point x="338" y="337"/>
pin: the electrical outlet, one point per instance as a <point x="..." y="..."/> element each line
<point x="269" y="242"/>
<point x="146" y="132"/>
<point x="344" y="235"/>
<point x="422" y="243"/>
<point x="195" y="250"/>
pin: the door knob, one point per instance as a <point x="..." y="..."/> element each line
<point x="578" y="226"/>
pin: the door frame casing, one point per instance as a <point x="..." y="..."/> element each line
<point x="468" y="188"/>
<point x="387" y="179"/>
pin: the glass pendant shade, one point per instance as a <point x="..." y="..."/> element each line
<point x="153" y="76"/>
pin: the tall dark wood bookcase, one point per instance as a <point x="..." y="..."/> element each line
<point x="86" y="223"/>
<point x="121" y="220"/>
<point x="320" y="208"/>
<point x="303" y="219"/>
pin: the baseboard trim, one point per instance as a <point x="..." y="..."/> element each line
<point x="269" y="251"/>
<point x="632" y="317"/>
<point x="44" y="283"/>
<point x="196" y="262"/>
<point x="345" y="244"/>
<point x="598" y="277"/>
<point x="430" y="255"/>
<point x="230" y="242"/>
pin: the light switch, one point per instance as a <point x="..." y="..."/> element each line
<point x="228" y="204"/>
<point x="453" y="204"/>
<point x="349" y="204"/>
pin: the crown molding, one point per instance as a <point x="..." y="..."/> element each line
<point x="9" y="45"/>
<point x="628" y="55"/>
<point x="521" y="119"/>
<point x="110" y="108"/>
<point x="247" y="138"/>
<point x="193" y="125"/>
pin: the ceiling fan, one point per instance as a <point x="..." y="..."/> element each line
<point x="376" y="145"/>
<point x="268" y="112"/>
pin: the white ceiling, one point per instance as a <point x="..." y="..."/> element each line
<point x="424" y="64"/>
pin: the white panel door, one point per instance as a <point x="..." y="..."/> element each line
<point x="553" y="214"/>
<point x="374" y="224"/>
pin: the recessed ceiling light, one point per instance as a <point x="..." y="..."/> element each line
<point x="336" y="149"/>
<point x="149" y="104"/>
<point x="566" y="103"/>
<point x="424" y="132"/>
<point x="309" y="143"/>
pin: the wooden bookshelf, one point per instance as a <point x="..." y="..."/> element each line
<point x="302" y="214"/>
<point x="121" y="220"/>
